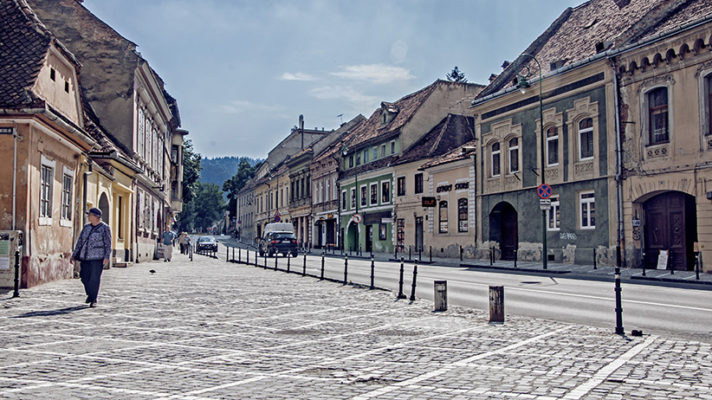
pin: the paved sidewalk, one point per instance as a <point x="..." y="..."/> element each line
<point x="631" y="275"/>
<point x="215" y="330"/>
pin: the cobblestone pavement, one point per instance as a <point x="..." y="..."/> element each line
<point x="213" y="330"/>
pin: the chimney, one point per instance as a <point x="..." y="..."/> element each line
<point x="505" y="64"/>
<point x="492" y="77"/>
<point x="621" y="3"/>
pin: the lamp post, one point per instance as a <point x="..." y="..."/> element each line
<point x="522" y="84"/>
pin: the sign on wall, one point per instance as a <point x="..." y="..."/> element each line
<point x="429" y="201"/>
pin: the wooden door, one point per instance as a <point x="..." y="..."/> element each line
<point x="669" y="225"/>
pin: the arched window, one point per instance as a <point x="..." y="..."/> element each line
<point x="585" y="137"/>
<point x="552" y="146"/>
<point x="495" y="159"/>
<point x="442" y="212"/>
<point x="462" y="215"/>
<point x="658" y="127"/>
<point x="513" y="155"/>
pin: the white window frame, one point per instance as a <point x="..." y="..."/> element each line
<point x="551" y="139"/>
<point x="497" y="152"/>
<point x="579" y="133"/>
<point x="555" y="205"/>
<point x="390" y="194"/>
<point x="46" y="162"/>
<point x="62" y="220"/>
<point x="511" y="149"/>
<point x="370" y="194"/>
<point x="363" y="202"/>
<point x="587" y="201"/>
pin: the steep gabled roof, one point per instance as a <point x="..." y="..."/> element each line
<point x="582" y="32"/>
<point x="451" y="132"/>
<point x="24" y="42"/>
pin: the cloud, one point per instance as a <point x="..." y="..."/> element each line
<point x="374" y="73"/>
<point x="297" y="76"/>
<point x="359" y="100"/>
<point x="242" y="106"/>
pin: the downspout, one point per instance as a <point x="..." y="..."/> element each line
<point x="14" y="176"/>
<point x="618" y="176"/>
<point x="84" y="194"/>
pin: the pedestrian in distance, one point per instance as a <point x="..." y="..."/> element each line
<point x="168" y="238"/>
<point x="92" y="250"/>
<point x="182" y="242"/>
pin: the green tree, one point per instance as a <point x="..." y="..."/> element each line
<point x="456" y="76"/>
<point x="208" y="206"/>
<point x="245" y="172"/>
<point x="191" y="171"/>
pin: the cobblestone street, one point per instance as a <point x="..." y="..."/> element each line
<point x="213" y="330"/>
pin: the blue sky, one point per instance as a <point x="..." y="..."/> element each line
<point x="243" y="71"/>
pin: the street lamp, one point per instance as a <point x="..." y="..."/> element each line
<point x="523" y="84"/>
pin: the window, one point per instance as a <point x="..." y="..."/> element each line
<point x="513" y="155"/>
<point x="442" y="213"/>
<point x="374" y="194"/>
<point x="365" y="156"/>
<point x="553" y="215"/>
<point x="364" y="196"/>
<point x="588" y="210"/>
<point x="52" y="74"/>
<point x="358" y="159"/>
<point x="495" y="159"/>
<point x="383" y="150"/>
<point x="120" y="218"/>
<point x="401" y="186"/>
<point x="375" y="153"/>
<point x="658" y="116"/>
<point x="462" y="215"/>
<point x="140" y="131"/>
<point x="385" y="192"/>
<point x="585" y="136"/>
<point x="418" y="183"/>
<point x="393" y="147"/>
<point x="552" y="146"/>
<point x="708" y="95"/>
<point x="353" y="198"/>
<point x="343" y="200"/>
<point x="46" y="181"/>
<point x="351" y="162"/>
<point x="66" y="197"/>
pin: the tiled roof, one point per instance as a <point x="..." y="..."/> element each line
<point x="24" y="43"/>
<point x="451" y="132"/>
<point x="406" y="106"/>
<point x="347" y="132"/>
<point x="686" y="14"/>
<point x="580" y="33"/>
<point x="455" y="154"/>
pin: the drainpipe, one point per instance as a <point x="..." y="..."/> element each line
<point x="84" y="194"/>
<point x="14" y="176"/>
<point x="619" y="180"/>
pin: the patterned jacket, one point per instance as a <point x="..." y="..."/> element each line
<point x="94" y="243"/>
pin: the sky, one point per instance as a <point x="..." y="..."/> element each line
<point x="243" y="71"/>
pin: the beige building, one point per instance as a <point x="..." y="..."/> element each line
<point x="666" y="113"/>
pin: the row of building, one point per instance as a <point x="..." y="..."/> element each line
<point x="611" y="106"/>
<point x="84" y="122"/>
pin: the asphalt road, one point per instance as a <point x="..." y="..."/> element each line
<point x="675" y="312"/>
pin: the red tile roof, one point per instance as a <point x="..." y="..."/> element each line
<point x="450" y="133"/>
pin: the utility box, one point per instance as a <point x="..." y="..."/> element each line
<point x="440" y="297"/>
<point x="496" y="304"/>
<point x="10" y="243"/>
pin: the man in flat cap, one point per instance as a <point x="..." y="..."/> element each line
<point x="93" y="250"/>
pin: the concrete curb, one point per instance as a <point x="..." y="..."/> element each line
<point x="524" y="269"/>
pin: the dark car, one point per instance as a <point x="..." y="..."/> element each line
<point x="279" y="243"/>
<point x="206" y="243"/>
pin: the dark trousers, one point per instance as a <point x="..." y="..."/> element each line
<point x="91" y="277"/>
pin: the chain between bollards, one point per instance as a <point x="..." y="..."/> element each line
<point x="400" y="281"/>
<point x="373" y="271"/>
<point x="415" y="275"/>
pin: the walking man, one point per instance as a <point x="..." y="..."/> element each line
<point x="93" y="250"/>
<point x="168" y="241"/>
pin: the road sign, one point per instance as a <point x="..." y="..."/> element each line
<point x="544" y="191"/>
<point x="544" y="204"/>
<point x="356" y="218"/>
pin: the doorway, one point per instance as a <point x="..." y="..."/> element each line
<point x="504" y="229"/>
<point x="104" y="207"/>
<point x="670" y="224"/>
<point x="419" y="233"/>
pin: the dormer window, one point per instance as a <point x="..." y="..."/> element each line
<point x="388" y="112"/>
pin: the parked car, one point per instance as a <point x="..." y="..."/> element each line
<point x="206" y="243"/>
<point x="275" y="242"/>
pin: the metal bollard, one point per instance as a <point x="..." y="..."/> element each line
<point x="496" y="304"/>
<point x="415" y="275"/>
<point x="233" y="254"/>
<point x="594" y="259"/>
<point x="265" y="257"/>
<point x="16" y="291"/>
<point x="346" y="269"/>
<point x="227" y="254"/>
<point x="396" y="255"/>
<point x="420" y="254"/>
<point x="515" y="258"/>
<point x="440" y="296"/>
<point x="409" y="250"/>
<point x="643" y="254"/>
<point x="321" y="277"/>
<point x="373" y="270"/>
<point x="276" y="257"/>
<point x="304" y="265"/>
<point x="289" y="258"/>
<point x="461" y="252"/>
<point x="239" y="255"/>
<point x="431" y="254"/>
<point x="248" y="257"/>
<point x="697" y="266"/>
<point x="619" y="307"/>
<point x="400" y="282"/>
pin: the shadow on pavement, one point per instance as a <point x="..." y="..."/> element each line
<point x="48" y="313"/>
